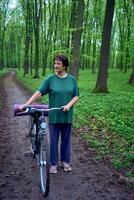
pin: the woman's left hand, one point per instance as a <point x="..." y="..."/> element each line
<point x="66" y="108"/>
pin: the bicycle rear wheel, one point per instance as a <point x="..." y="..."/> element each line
<point x="44" y="165"/>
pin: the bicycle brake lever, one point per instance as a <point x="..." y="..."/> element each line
<point x="25" y="110"/>
<point x="62" y="107"/>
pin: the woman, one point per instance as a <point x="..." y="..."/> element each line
<point x="63" y="91"/>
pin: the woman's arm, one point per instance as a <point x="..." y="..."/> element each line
<point x="70" y="104"/>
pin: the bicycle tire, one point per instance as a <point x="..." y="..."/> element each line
<point x="44" y="166"/>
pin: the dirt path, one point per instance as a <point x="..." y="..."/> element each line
<point x="89" y="180"/>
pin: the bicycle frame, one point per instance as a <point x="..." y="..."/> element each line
<point x="41" y="125"/>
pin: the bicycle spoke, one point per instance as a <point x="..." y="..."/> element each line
<point x="44" y="166"/>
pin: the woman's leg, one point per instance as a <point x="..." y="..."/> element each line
<point x="54" y="138"/>
<point x="66" y="142"/>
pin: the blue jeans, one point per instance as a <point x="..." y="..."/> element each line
<point x="55" y="131"/>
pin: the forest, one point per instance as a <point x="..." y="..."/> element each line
<point x="34" y="31"/>
<point x="98" y="38"/>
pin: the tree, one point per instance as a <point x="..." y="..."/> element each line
<point x="127" y="8"/>
<point x="76" y="42"/>
<point x="101" y="84"/>
<point x="3" y="18"/>
<point x="35" y="30"/>
<point x="131" y="80"/>
<point x="27" y="12"/>
<point x="48" y="36"/>
<point x="37" y="16"/>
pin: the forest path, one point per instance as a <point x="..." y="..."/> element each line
<point x="89" y="180"/>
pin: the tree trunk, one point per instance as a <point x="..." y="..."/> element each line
<point x="37" y="15"/>
<point x="94" y="55"/>
<point x="84" y="41"/>
<point x="121" y="41"/>
<point x="2" y="53"/>
<point x="74" y="69"/>
<point x="131" y="80"/>
<point x="101" y="84"/>
<point x="128" y="13"/>
<point x="48" y="36"/>
<point x="31" y="57"/>
<point x="57" y="9"/>
<point x="36" y="62"/>
<point x="72" y="24"/>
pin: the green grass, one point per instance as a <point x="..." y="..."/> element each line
<point x="105" y="121"/>
<point x="2" y="72"/>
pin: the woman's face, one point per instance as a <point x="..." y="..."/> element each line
<point x="58" y="66"/>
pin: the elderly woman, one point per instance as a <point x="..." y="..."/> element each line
<point x="63" y="91"/>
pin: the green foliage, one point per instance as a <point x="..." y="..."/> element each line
<point x="2" y="72"/>
<point x="105" y="121"/>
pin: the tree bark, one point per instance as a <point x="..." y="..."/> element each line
<point x="37" y="15"/>
<point x="128" y="13"/>
<point x="131" y="80"/>
<point x="48" y="36"/>
<point x="3" y="16"/>
<point x="74" y="69"/>
<point x="101" y="84"/>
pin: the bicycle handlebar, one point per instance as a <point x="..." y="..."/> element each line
<point x="34" y="108"/>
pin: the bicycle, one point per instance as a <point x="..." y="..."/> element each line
<point x="39" y="140"/>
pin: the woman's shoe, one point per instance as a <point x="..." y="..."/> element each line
<point x="66" y="166"/>
<point x="53" y="169"/>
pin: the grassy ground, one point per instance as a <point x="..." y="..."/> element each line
<point x="105" y="121"/>
<point x="2" y="72"/>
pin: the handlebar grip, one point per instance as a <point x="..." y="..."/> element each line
<point x="25" y="111"/>
<point x="18" y="111"/>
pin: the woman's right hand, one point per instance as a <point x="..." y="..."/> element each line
<point x="22" y="106"/>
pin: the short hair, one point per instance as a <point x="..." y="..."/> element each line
<point x="62" y="58"/>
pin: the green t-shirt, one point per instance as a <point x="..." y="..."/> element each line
<point x="61" y="91"/>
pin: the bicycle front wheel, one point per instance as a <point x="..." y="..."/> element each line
<point x="44" y="165"/>
<point x="32" y="134"/>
